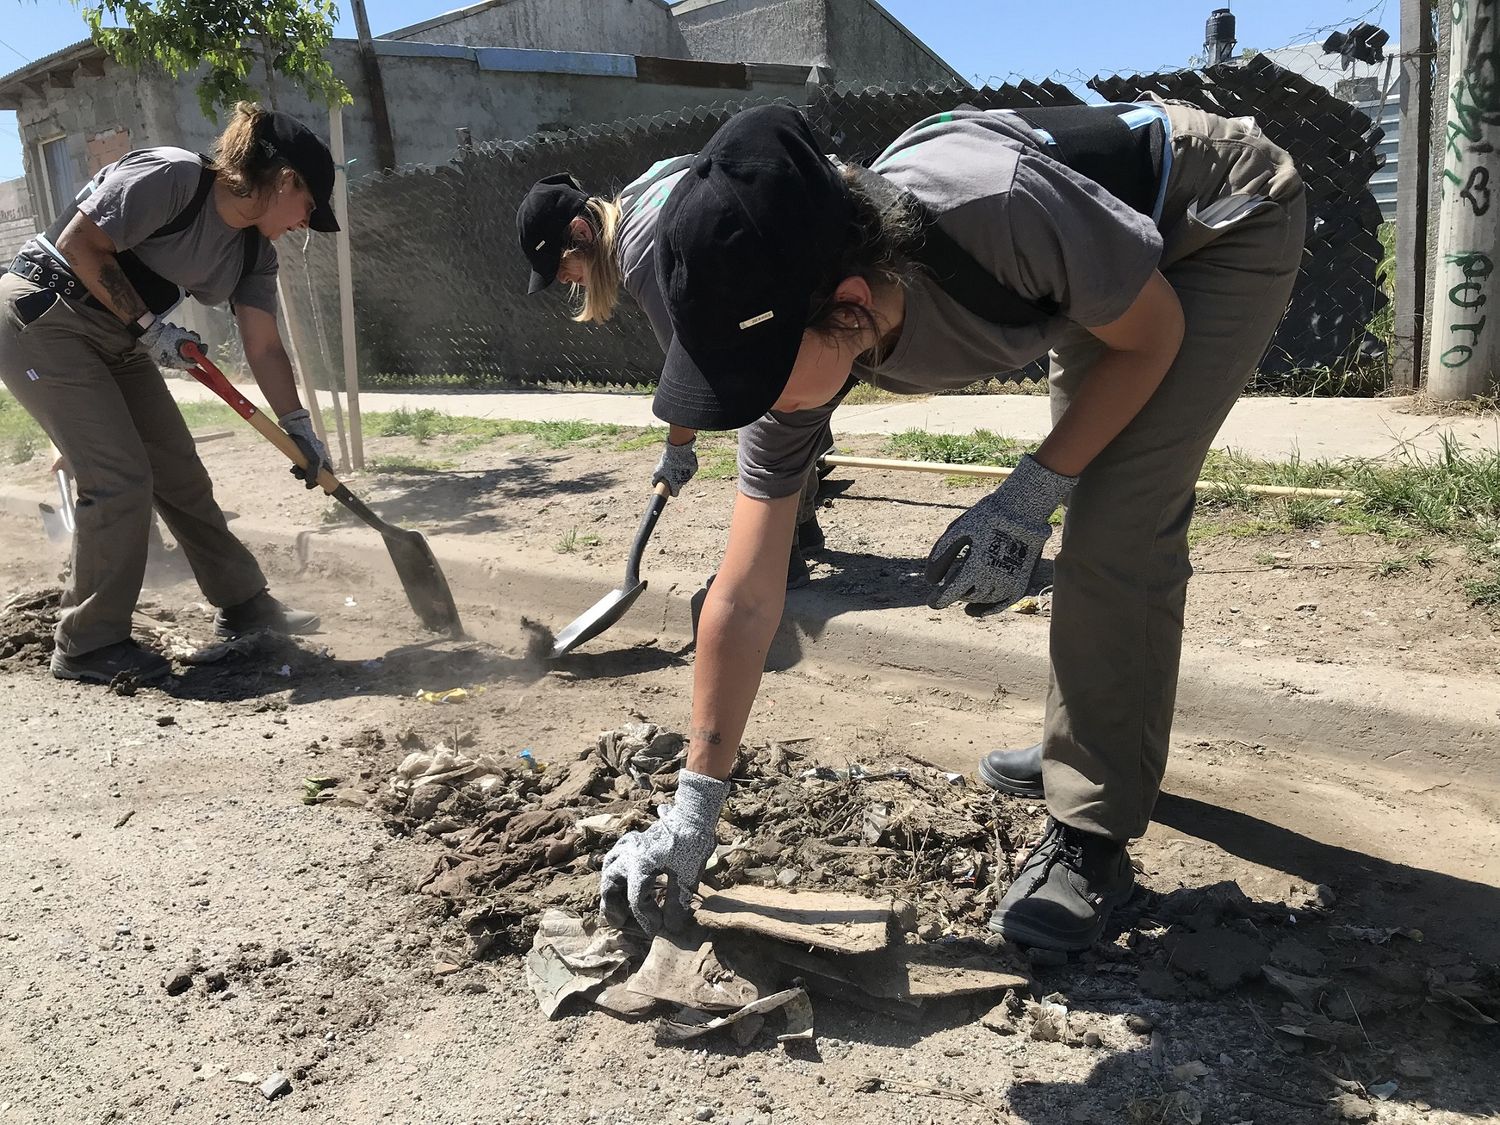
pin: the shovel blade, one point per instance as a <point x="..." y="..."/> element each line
<point x="422" y="579"/>
<point x="599" y="617"/>
<point x="54" y="524"/>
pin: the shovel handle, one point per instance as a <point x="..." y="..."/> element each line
<point x="659" y="497"/>
<point x="207" y="373"/>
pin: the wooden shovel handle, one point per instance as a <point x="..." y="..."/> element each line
<point x="207" y="373"/>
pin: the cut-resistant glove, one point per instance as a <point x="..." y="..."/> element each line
<point x="677" y="845"/>
<point x="987" y="554"/>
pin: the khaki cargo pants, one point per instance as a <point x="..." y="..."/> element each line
<point x="77" y="371"/>
<point x="1122" y="569"/>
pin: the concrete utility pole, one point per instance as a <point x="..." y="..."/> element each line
<point x="1413" y="177"/>
<point x="1464" y="358"/>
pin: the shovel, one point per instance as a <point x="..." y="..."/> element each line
<point x="610" y="608"/>
<point x="59" y="522"/>
<point x="421" y="577"/>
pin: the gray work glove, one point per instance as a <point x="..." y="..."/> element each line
<point x="677" y="465"/>
<point x="677" y="845"/>
<point x="298" y="426"/>
<point x="1004" y="534"/>
<point x="164" y="341"/>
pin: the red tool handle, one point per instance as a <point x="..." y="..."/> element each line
<point x="212" y="378"/>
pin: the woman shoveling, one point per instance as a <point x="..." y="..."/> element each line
<point x="84" y="335"/>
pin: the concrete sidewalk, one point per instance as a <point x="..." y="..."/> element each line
<point x="1270" y="428"/>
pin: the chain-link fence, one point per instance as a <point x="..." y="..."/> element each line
<point x="440" y="289"/>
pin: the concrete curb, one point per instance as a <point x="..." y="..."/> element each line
<point x="1439" y="728"/>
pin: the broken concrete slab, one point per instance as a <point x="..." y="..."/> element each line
<point x="838" y="923"/>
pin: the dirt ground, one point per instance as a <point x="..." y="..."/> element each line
<point x="162" y="837"/>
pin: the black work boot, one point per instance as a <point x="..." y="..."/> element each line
<point x="263" y="612"/>
<point x="797" y="574"/>
<point x="810" y="534"/>
<point x="1065" y="889"/>
<point x="1017" y="772"/>
<point x="102" y="665"/>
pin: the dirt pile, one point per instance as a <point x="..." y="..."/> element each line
<point x="524" y="835"/>
<point x="27" y="620"/>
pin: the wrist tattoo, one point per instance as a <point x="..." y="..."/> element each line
<point x="707" y="737"/>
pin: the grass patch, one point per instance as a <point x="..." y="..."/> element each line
<point x="651" y="438"/>
<point x="21" y="438"/>
<point x="718" y="463"/>
<point x="400" y="464"/>
<point x="572" y="541"/>
<point x="978" y="448"/>
<point x="426" y="424"/>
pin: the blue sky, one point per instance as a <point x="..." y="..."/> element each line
<point x="1006" y="39"/>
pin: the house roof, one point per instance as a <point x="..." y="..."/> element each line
<point x="674" y="9"/>
<point x="62" y="62"/>
<point x="464" y="13"/>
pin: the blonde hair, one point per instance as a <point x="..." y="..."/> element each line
<point x="247" y="165"/>
<point x="595" y="302"/>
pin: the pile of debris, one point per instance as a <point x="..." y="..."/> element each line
<point x="844" y="879"/>
<point x="526" y="835"/>
<point x="26" y="624"/>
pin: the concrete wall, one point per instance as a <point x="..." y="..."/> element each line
<point x="627" y="27"/>
<point x="782" y="31"/>
<point x="17" y="221"/>
<point x="101" y="118"/>
<point x="868" y="47"/>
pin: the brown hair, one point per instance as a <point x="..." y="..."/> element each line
<point x="247" y="165"/>
<point x="881" y="248"/>
<point x="596" y="301"/>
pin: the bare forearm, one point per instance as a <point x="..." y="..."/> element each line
<point x="732" y="643"/>
<point x="1115" y="390"/>
<point x="273" y="373"/>
<point x="680" y="435"/>
<point x="100" y="271"/>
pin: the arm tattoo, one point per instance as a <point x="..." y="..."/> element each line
<point x="707" y="737"/>
<point x="122" y="297"/>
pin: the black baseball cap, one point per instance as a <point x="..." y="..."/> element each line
<point x="309" y="157"/>
<point x="542" y="223"/>
<point x="747" y="238"/>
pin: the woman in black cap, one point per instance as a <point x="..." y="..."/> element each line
<point x="602" y="246"/>
<point x="82" y="338"/>
<point x="1151" y="249"/>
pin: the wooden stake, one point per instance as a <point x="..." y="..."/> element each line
<point x="998" y="472"/>
<point x="346" y="287"/>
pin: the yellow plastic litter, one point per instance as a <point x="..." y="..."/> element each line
<point x="453" y="695"/>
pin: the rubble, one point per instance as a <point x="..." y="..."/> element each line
<point x="870" y="884"/>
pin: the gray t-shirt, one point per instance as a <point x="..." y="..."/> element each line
<point x="637" y="243"/>
<point x="1039" y="227"/>
<point x="146" y="190"/>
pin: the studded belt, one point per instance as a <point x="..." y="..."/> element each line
<point x="49" y="274"/>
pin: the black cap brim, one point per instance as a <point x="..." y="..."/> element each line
<point x="539" y="281"/>
<point x="740" y="386"/>
<point x="323" y="219"/>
